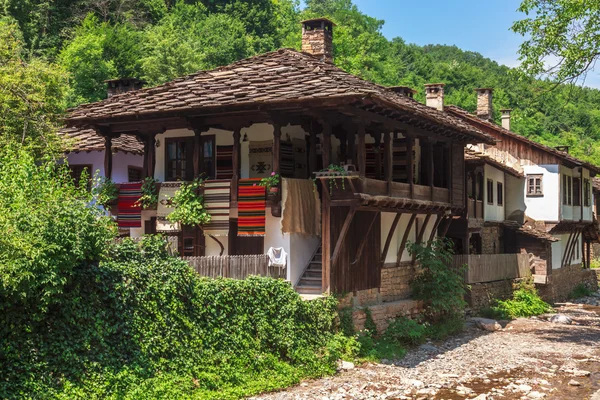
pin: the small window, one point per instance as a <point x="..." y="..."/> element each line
<point x="567" y="188"/>
<point x="500" y="193"/>
<point x="534" y="185"/>
<point x="577" y="192"/>
<point x="134" y="174"/>
<point x="490" y="191"/>
<point x="586" y="193"/>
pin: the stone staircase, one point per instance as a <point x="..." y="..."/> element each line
<point x="311" y="282"/>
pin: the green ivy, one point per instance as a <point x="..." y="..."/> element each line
<point x="149" y="198"/>
<point x="189" y="205"/>
<point x="105" y="191"/>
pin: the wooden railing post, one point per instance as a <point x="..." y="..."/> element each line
<point x="362" y="151"/>
<point x="235" y="162"/>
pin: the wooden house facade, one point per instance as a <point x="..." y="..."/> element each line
<point x="405" y="161"/>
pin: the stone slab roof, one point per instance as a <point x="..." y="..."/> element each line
<point x="476" y="156"/>
<point x="527" y="229"/>
<point x="272" y="79"/>
<point x="464" y="114"/>
<point x="81" y="139"/>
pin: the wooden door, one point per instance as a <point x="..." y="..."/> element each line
<point x="240" y="245"/>
<point x="191" y="242"/>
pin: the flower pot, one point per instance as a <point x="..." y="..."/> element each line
<point x="274" y="190"/>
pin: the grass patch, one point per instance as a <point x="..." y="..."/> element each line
<point x="580" y="291"/>
<point x="525" y="302"/>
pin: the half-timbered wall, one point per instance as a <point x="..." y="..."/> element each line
<point x="365" y="274"/>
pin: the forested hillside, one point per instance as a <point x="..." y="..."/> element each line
<point x="157" y="40"/>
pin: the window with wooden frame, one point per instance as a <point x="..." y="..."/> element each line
<point x="587" y="191"/>
<point x="179" y="161"/>
<point x="134" y="174"/>
<point x="535" y="185"/>
<point x="577" y="192"/>
<point x="500" y="193"/>
<point x="77" y="171"/>
<point x="490" y="191"/>
<point x="208" y="157"/>
<point x="567" y="189"/>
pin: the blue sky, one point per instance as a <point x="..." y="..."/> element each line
<point x="476" y="25"/>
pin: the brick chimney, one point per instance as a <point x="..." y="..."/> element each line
<point x="484" y="103"/>
<point x="317" y="38"/>
<point x="506" y="118"/>
<point x="123" y="85"/>
<point x="434" y="95"/>
<point x="403" y="90"/>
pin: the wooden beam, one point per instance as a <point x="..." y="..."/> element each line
<point x="276" y="147"/>
<point x="388" y="241"/>
<point x="410" y="170"/>
<point x="235" y="162"/>
<point x="572" y="248"/>
<point x="446" y="226"/>
<point x="326" y="147"/>
<point x="312" y="155"/>
<point x="388" y="156"/>
<point x="588" y="255"/>
<point x="151" y="154"/>
<point x="564" y="257"/>
<point x="352" y="149"/>
<point x="377" y="148"/>
<point x="405" y="238"/>
<point x="325" y="243"/>
<point x="108" y="157"/>
<point x="430" y="172"/>
<point x="362" y="151"/>
<point x="343" y="233"/>
<point x="421" y="234"/>
<point x="438" y="220"/>
<point x="363" y="242"/>
<point x="197" y="151"/>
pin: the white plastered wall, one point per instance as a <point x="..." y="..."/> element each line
<point x="560" y="248"/>
<point x="386" y="223"/>
<point x="568" y="212"/>
<point x="546" y="207"/>
<point x="514" y="195"/>
<point x="121" y="162"/>
<point x="493" y="211"/>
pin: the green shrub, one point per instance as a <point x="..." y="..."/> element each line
<point x="595" y="263"/>
<point x="580" y="291"/>
<point x="142" y="324"/>
<point x="346" y="323"/>
<point x="405" y="331"/>
<point x="448" y="326"/>
<point x="439" y="285"/>
<point x="370" y="326"/>
<point x="525" y="303"/>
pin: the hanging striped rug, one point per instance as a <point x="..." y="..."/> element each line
<point x="251" y="208"/>
<point x="216" y="201"/>
<point x="224" y="162"/>
<point x="129" y="213"/>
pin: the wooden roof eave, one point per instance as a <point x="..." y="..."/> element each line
<point x="401" y="204"/>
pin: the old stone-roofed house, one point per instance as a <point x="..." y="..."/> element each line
<point x="525" y="197"/>
<point x="409" y="160"/>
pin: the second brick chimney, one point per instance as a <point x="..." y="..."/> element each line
<point x="123" y="85"/>
<point x="434" y="95"/>
<point x="506" y="118"/>
<point x="484" y="103"/>
<point x="317" y="38"/>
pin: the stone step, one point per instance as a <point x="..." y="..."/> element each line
<point x="309" y="289"/>
<point x="310" y="279"/>
<point x="313" y="272"/>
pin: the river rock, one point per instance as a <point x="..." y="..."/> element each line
<point x="573" y="382"/>
<point x="487" y="324"/>
<point x="561" y="319"/>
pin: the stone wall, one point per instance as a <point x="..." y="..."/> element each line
<point x="388" y="301"/>
<point x="563" y="280"/>
<point x="491" y="237"/>
<point x="481" y="294"/>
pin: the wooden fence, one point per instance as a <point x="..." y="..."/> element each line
<point x="235" y="267"/>
<point x="493" y="267"/>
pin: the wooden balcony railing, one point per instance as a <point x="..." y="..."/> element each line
<point x="235" y="267"/>
<point x="475" y="208"/>
<point x="493" y="267"/>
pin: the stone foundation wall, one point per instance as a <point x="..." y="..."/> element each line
<point x="562" y="281"/>
<point x="491" y="237"/>
<point x="383" y="313"/>
<point x="481" y="294"/>
<point x="389" y="301"/>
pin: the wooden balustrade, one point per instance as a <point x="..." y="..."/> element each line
<point x="235" y="267"/>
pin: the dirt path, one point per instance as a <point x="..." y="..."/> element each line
<point x="528" y="359"/>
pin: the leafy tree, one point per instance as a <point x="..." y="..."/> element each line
<point x="562" y="38"/>
<point x="32" y="96"/>
<point x="188" y="40"/>
<point x="100" y="51"/>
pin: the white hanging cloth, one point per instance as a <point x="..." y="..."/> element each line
<point x="277" y="257"/>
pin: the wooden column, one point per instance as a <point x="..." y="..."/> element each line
<point x="387" y="160"/>
<point x="197" y="151"/>
<point x="145" y="162"/>
<point x="410" y="167"/>
<point x="326" y="147"/>
<point x="588" y="254"/>
<point x="352" y="149"/>
<point x="151" y="140"/>
<point x="326" y="244"/>
<point x="377" y="137"/>
<point x="429" y="150"/>
<point x="362" y="151"/>
<point x="108" y="157"/>
<point x="312" y="156"/>
<point x="276" y="147"/>
<point x="235" y="162"/>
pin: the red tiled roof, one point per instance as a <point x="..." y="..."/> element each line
<point x="272" y="79"/>
<point x="81" y="139"/>
<point x="464" y="114"/>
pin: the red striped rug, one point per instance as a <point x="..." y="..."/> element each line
<point x="129" y="213"/>
<point x="251" y="208"/>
